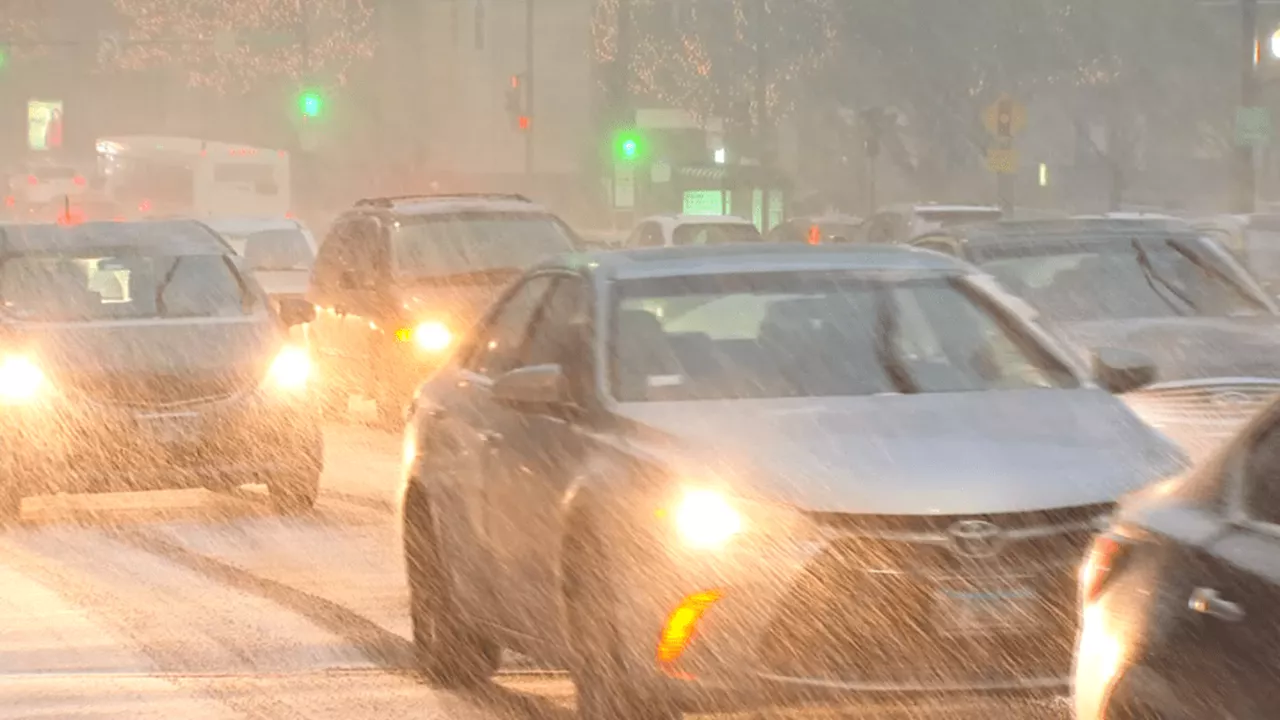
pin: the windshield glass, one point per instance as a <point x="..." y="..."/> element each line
<point x="272" y="249"/>
<point x="715" y="234"/>
<point x="771" y="335"/>
<point x="1120" y="280"/>
<point x="124" y="285"/>
<point x="476" y="242"/>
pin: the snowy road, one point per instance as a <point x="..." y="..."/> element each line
<point x="195" y="605"/>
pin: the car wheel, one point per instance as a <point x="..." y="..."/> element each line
<point x="295" y="493"/>
<point x="446" y="649"/>
<point x="603" y="690"/>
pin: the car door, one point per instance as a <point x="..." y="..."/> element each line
<point x="466" y="422"/>
<point x="1237" y="599"/>
<point x="537" y="453"/>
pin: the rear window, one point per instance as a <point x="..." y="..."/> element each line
<point x="715" y="234"/>
<point x="272" y="249"/>
<point x="455" y="243"/>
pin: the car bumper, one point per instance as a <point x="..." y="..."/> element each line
<point x="63" y="445"/>
<point x="806" y="624"/>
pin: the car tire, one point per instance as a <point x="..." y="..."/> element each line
<point x="603" y="691"/>
<point x="446" y="650"/>
<point x="295" y="493"/>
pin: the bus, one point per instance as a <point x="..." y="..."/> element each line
<point x="153" y="176"/>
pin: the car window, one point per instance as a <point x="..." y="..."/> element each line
<point x="564" y="307"/>
<point x="369" y="250"/>
<point x="814" y="334"/>
<point x="61" y="288"/>
<point x="649" y="234"/>
<point x="497" y="346"/>
<point x="452" y="243"/>
<point x="269" y="250"/>
<point x="334" y="256"/>
<point x="1262" y="476"/>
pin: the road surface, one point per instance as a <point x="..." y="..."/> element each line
<point x="201" y="606"/>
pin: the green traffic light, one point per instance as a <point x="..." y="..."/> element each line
<point x="311" y="104"/>
<point x="628" y="146"/>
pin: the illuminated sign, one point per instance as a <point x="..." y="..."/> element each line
<point x="44" y="124"/>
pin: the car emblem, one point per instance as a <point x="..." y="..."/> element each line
<point x="1231" y="398"/>
<point x="976" y="538"/>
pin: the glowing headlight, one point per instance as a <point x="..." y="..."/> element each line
<point x="291" y="369"/>
<point x="20" y="380"/>
<point x="432" y="336"/>
<point x="705" y="519"/>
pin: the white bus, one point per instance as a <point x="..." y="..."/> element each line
<point x="151" y="176"/>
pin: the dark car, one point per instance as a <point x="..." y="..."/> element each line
<point x="756" y="474"/>
<point x="1155" y="286"/>
<point x="139" y="356"/>
<point x="1181" y="597"/>
<point x="817" y="230"/>
<point x="396" y="279"/>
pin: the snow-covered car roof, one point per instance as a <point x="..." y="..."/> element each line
<point x="452" y="204"/>
<point x="247" y="225"/>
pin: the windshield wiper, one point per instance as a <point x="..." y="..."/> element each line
<point x="164" y="285"/>
<point x="890" y="360"/>
<point x="1200" y="262"/>
<point x="1152" y="277"/>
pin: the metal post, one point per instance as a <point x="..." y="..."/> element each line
<point x="1246" y="176"/>
<point x="529" y="8"/>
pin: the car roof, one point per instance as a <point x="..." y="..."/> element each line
<point x="251" y="224"/>
<point x="171" y="236"/>
<point x="758" y="257"/>
<point x="449" y="204"/>
<point x="1016" y="232"/>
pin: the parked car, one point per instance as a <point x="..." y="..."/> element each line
<point x="900" y="223"/>
<point x="817" y="230"/>
<point x="397" y="278"/>
<point x="140" y="356"/>
<point x="279" y="251"/>
<point x="676" y="230"/>
<point x="1181" y="596"/>
<point x="713" y="477"/>
<point x="1156" y="286"/>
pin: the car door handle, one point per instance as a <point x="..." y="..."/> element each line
<point x="1207" y="601"/>
<point x="491" y="437"/>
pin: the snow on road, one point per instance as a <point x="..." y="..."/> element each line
<point x="196" y="605"/>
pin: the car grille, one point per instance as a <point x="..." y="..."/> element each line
<point x="867" y="609"/>
<point x="1202" y="415"/>
<point x="156" y="390"/>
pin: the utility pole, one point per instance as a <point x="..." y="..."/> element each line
<point x="529" y="13"/>
<point x="1246" y="174"/>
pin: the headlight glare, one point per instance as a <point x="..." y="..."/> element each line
<point x="291" y="369"/>
<point x="20" y="380"/>
<point x="706" y="519"/>
<point x="433" y="336"/>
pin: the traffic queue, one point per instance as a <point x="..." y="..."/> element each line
<point x="994" y="458"/>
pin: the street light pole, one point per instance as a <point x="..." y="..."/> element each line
<point x="1246" y="174"/>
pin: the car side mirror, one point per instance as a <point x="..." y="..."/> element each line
<point x="1121" y="371"/>
<point x="296" y="311"/>
<point x="532" y="386"/>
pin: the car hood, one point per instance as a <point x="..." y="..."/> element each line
<point x="455" y="305"/>
<point x="1188" y="348"/>
<point x="955" y="453"/>
<point x="205" y="347"/>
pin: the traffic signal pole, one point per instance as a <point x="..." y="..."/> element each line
<point x="1246" y="175"/>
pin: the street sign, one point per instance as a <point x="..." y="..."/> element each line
<point x="1005" y="116"/>
<point x="1253" y="126"/>
<point x="1002" y="160"/>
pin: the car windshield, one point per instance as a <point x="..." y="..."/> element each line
<point x="121" y="285"/>
<point x="1121" y="280"/>
<point x="715" y="234"/>
<point x="282" y="249"/>
<point x="813" y="334"/>
<point x="477" y="241"/>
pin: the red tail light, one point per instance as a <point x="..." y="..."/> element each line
<point x="1098" y="566"/>
<point x="10" y="201"/>
<point x="144" y="206"/>
<point x="815" y="235"/>
<point x="33" y="180"/>
<point x="78" y="180"/>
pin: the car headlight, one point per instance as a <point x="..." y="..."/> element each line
<point x="432" y="336"/>
<point x="291" y="369"/>
<point x="706" y="519"/>
<point x="20" y="380"/>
